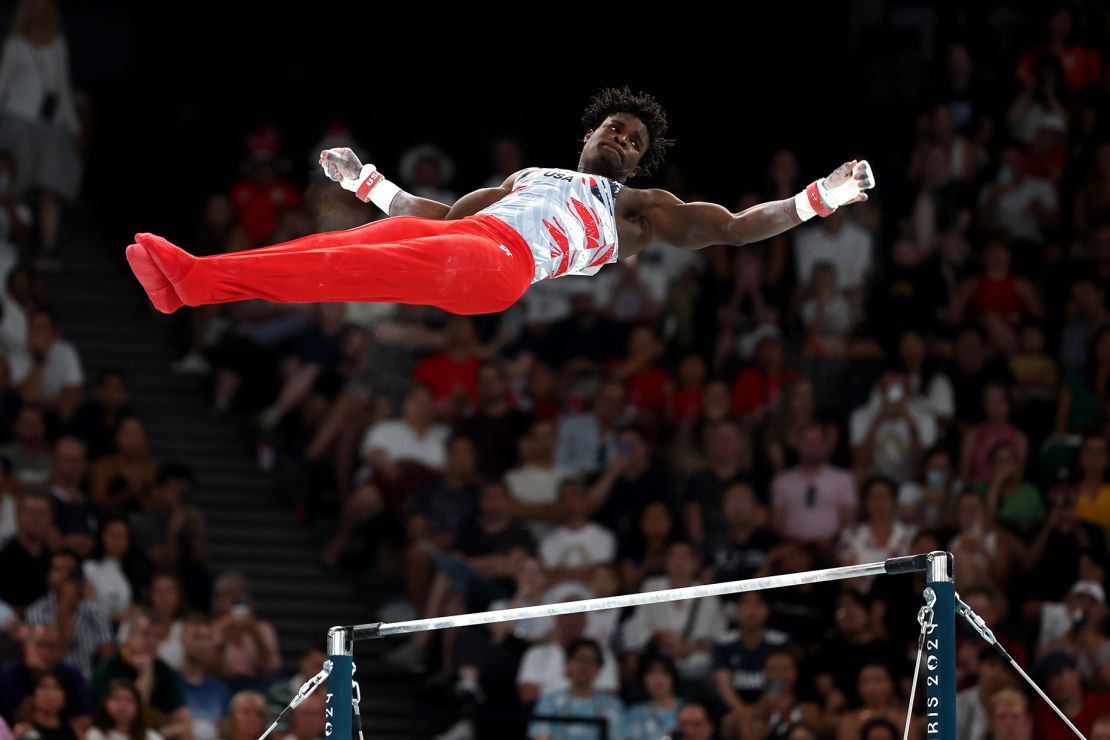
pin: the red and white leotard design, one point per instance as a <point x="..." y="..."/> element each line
<point x="568" y="219"/>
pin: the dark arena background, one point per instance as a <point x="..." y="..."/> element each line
<point x="188" y="501"/>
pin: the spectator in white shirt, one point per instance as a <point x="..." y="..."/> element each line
<point x="49" y="373"/>
<point x="111" y="589"/>
<point x="570" y="550"/>
<point x="891" y="432"/>
<point x="681" y="630"/>
<point x="543" y="667"/>
<point x="534" y="485"/>
<point x="1019" y="205"/>
<point x="839" y="240"/>
<point x="415" y="437"/>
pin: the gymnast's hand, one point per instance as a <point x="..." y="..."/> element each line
<point x="340" y="164"/>
<point x="848" y="181"/>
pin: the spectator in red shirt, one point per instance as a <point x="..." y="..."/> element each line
<point x="650" y="387"/>
<point x="759" y="388"/>
<point x="1059" y="674"/>
<point x="452" y="374"/>
<point x="263" y="194"/>
<point x="686" y="402"/>
<point x="1081" y="66"/>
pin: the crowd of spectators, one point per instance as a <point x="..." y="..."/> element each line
<point x="930" y="370"/>
<point x="925" y="371"/>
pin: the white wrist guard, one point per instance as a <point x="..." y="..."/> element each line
<point x="371" y="187"/>
<point x="815" y="200"/>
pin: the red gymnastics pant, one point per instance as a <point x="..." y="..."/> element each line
<point x="477" y="264"/>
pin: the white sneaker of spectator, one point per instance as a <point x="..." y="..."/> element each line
<point x="192" y="364"/>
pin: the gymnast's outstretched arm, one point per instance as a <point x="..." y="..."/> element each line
<point x="343" y="166"/>
<point x="700" y="225"/>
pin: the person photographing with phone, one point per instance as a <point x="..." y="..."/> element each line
<point x="892" y="430"/>
<point x="248" y="644"/>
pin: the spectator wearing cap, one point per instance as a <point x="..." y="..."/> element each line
<point x="1077" y="626"/>
<point x="1059" y="674"/>
<point x="973" y="704"/>
<point x="263" y="195"/>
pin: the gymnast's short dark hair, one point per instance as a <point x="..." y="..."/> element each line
<point x="642" y="105"/>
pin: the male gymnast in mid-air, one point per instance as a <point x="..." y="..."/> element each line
<point x="481" y="254"/>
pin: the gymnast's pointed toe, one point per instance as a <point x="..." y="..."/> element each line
<point x="158" y="288"/>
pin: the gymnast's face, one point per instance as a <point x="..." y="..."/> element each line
<point x="615" y="147"/>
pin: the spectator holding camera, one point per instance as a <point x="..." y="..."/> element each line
<point x="249" y="645"/>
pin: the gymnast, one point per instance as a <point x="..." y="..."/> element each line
<point x="481" y="254"/>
